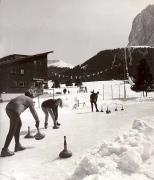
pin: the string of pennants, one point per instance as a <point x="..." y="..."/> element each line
<point x="59" y="75"/>
<point x="75" y="76"/>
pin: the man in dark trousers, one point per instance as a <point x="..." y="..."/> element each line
<point x="93" y="100"/>
<point x="14" y="109"/>
<point x="50" y="106"/>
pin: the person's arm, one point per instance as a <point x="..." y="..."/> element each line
<point x="56" y="113"/>
<point x="34" y="113"/>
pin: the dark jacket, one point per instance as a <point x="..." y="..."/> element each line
<point x="93" y="97"/>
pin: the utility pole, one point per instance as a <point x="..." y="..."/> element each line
<point x="53" y="93"/>
<point x="0" y="98"/>
<point x="125" y="60"/>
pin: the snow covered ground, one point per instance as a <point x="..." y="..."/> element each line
<point x="104" y="146"/>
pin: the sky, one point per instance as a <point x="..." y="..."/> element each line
<point x="75" y="30"/>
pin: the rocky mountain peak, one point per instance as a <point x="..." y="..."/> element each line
<point x="142" y="32"/>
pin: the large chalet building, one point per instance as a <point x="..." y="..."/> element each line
<point x="21" y="72"/>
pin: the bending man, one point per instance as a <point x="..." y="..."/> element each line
<point x="50" y="106"/>
<point x="14" y="109"/>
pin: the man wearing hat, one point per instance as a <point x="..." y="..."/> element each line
<point x="14" y="109"/>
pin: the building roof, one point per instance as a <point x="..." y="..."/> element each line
<point x="18" y="57"/>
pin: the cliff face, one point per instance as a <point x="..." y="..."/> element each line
<point x="142" y="32"/>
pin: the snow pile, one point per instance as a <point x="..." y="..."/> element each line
<point x="128" y="155"/>
<point x="130" y="161"/>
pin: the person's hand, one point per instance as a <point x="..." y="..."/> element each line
<point x="37" y="124"/>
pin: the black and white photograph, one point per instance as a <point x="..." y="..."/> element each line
<point x="76" y="89"/>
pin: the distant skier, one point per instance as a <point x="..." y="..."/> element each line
<point x="50" y="106"/>
<point x="14" y="109"/>
<point x="93" y="100"/>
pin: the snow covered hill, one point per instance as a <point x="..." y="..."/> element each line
<point x="59" y="63"/>
<point x="109" y="64"/>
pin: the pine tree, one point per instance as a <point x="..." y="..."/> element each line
<point x="144" y="77"/>
<point x="56" y="84"/>
<point x="78" y="82"/>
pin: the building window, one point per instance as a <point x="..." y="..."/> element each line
<point x="39" y="62"/>
<point x="21" y="84"/>
<point x="13" y="71"/>
<point x="14" y="84"/>
<point x="22" y="71"/>
<point x="33" y="84"/>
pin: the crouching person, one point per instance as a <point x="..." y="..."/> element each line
<point x="50" y="106"/>
<point x="14" y="109"/>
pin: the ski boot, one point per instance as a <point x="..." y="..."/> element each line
<point x="55" y="127"/>
<point x="19" y="147"/>
<point x="5" y="152"/>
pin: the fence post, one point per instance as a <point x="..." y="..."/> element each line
<point x="78" y="103"/>
<point x="103" y="91"/>
<point x="124" y="90"/>
<point x="111" y="91"/>
<point x="119" y="91"/>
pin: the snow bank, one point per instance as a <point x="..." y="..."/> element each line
<point x="127" y="157"/>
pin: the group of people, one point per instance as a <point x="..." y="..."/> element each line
<point x="19" y="104"/>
